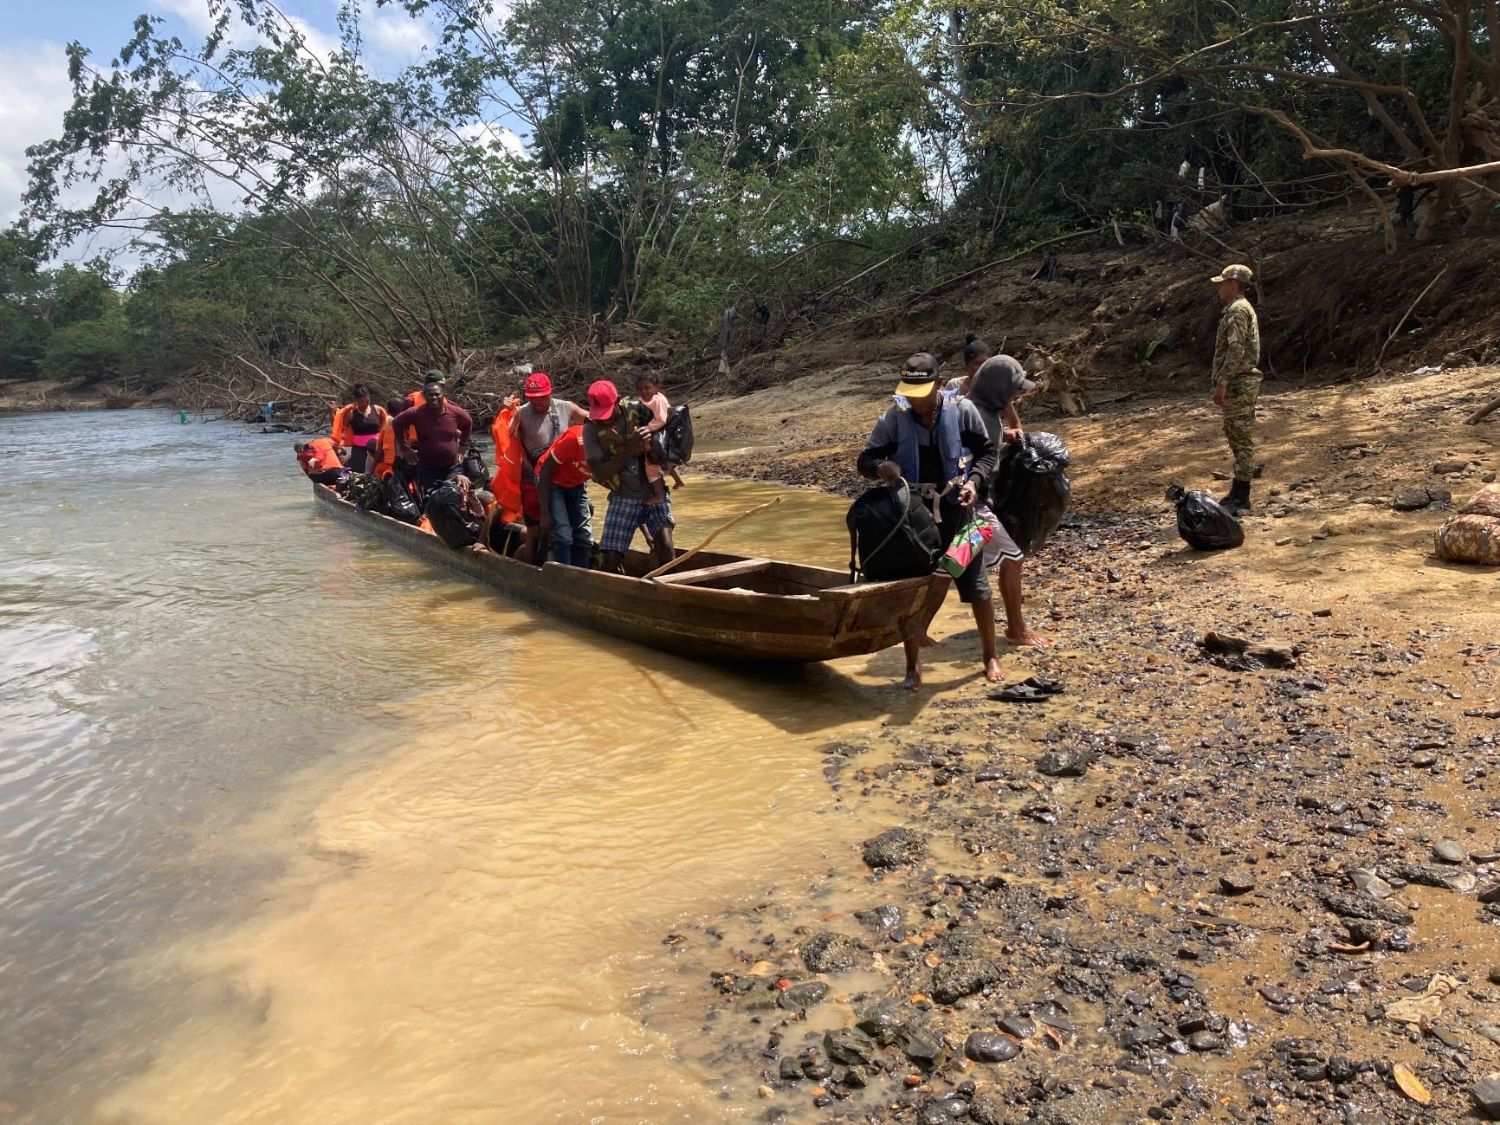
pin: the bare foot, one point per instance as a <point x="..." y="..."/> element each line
<point x="913" y="679"/>
<point x="1029" y="637"/>
<point x="992" y="670"/>
<point x="929" y="641"/>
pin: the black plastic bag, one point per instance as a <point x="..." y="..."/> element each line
<point x="1203" y="522"/>
<point x="1031" y="490"/>
<point x="399" y="501"/>
<point x="447" y="511"/>
<point x="892" y="535"/>
<point x="475" y="468"/>
<point x="673" y="443"/>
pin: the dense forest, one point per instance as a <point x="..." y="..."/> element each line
<point x="714" y="172"/>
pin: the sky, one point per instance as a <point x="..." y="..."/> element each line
<point x="34" y="90"/>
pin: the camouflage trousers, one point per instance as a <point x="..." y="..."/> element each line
<point x="1239" y="421"/>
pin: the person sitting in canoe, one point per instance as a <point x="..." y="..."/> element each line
<point x="320" y="460"/>
<point x="941" y="447"/>
<point x="441" y="431"/>
<point x="562" y="485"/>
<point x="614" y="451"/>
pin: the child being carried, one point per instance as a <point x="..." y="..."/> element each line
<point x="649" y="416"/>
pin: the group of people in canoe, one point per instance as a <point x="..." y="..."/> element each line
<point x="414" y="459"/>
<point x="942" y="439"/>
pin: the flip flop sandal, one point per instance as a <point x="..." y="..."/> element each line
<point x="1045" y="685"/>
<point x="1019" y="693"/>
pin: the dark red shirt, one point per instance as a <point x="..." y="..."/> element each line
<point x="442" y="436"/>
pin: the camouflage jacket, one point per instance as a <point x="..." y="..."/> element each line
<point x="1237" y="347"/>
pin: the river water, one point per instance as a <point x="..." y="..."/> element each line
<point x="295" y="828"/>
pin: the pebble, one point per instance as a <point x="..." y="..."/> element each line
<point x="989" y="1047"/>
<point x="1490" y="894"/>
<point x="1204" y="1041"/>
<point x="1019" y="1026"/>
<point x="829" y="953"/>
<point x="1450" y="851"/>
<point x="1236" y="883"/>
<point x="1367" y="882"/>
<point x="1486" y="1094"/>
<point x="1064" y="763"/>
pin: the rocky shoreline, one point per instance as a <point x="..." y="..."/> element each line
<point x="1246" y="866"/>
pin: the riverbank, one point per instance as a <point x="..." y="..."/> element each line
<point x="1194" y="885"/>
<point x="44" y="396"/>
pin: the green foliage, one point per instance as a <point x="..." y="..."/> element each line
<point x="89" y="351"/>
<point x="553" y="162"/>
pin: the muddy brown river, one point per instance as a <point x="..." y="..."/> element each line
<point x="295" y="828"/>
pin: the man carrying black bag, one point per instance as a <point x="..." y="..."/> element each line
<point x="939" y="445"/>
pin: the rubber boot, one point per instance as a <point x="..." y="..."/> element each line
<point x="1238" y="500"/>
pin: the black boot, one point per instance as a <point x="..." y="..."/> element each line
<point x="1238" y="500"/>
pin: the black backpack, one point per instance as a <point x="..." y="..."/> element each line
<point x="673" y="443"/>
<point x="452" y="523"/>
<point x="892" y="535"/>
<point x="399" y="502"/>
<point x="475" y="468"/>
<point x="1204" y="523"/>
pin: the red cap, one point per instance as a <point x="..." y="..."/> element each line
<point x="538" y="385"/>
<point x="603" y="397"/>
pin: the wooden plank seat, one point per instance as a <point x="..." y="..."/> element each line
<point x="713" y="574"/>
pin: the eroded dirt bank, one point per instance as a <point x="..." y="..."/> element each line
<point x="1193" y="886"/>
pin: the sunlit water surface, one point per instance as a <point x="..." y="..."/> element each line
<point x="295" y="828"/>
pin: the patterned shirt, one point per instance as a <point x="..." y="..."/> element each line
<point x="1237" y="347"/>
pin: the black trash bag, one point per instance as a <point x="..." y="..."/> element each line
<point x="366" y="492"/>
<point x="1031" y="489"/>
<point x="892" y="535"/>
<point x="1203" y="522"/>
<point x="450" y="517"/>
<point x="475" y="468"/>
<point x="673" y="444"/>
<point x="399" y="502"/>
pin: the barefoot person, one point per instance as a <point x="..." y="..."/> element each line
<point x="993" y="388"/>
<point x="940" y="446"/>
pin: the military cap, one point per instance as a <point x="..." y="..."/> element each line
<point x="1236" y="272"/>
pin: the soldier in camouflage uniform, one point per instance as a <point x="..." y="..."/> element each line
<point x="1237" y="379"/>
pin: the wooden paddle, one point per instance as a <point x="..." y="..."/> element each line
<point x="682" y="558"/>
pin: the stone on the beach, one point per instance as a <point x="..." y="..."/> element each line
<point x="895" y="847"/>
<point x="990" y="1047"/>
<point x="829" y="952"/>
<point x="957" y="979"/>
<point x="1486" y="1093"/>
<point x="1450" y="851"/>
<point x="850" y="1046"/>
<point x="1064" y="763"/>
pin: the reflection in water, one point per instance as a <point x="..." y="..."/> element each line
<point x="295" y="828"/>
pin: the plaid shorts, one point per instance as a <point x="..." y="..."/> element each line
<point x="624" y="515"/>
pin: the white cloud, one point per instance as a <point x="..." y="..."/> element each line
<point x="34" y="93"/>
<point x="394" y="38"/>
<point x="194" y="13"/>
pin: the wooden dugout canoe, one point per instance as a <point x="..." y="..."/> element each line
<point x="730" y="608"/>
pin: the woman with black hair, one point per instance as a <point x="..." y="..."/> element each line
<point x="362" y="427"/>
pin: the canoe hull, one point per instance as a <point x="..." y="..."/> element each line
<point x="814" y="616"/>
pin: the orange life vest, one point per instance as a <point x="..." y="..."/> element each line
<point x="506" y="483"/>
<point x="322" y="454"/>
<point x="343" y="434"/>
